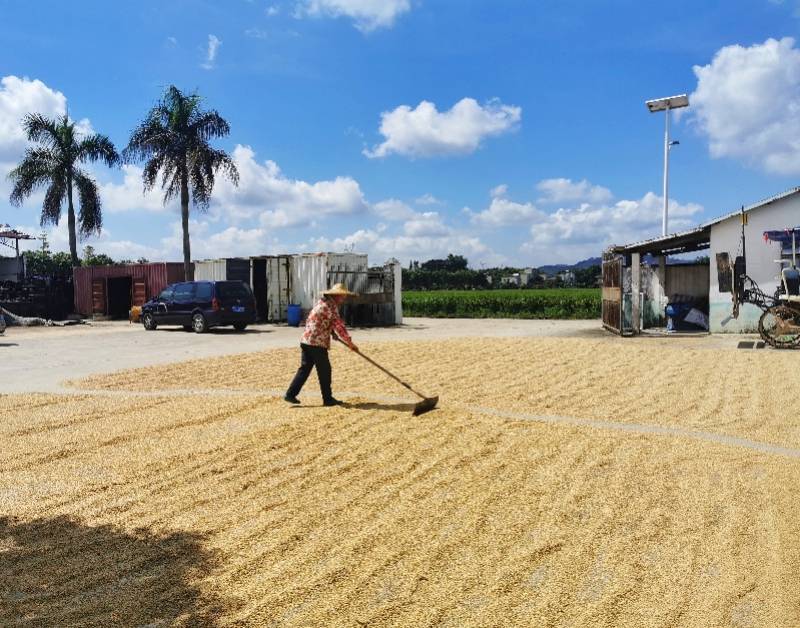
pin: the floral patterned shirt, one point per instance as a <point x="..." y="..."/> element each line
<point x="321" y="322"/>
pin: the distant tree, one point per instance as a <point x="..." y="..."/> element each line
<point x="172" y="140"/>
<point x="452" y="263"/>
<point x="90" y="258"/>
<point x="54" y="164"/>
<point x="45" y="264"/>
<point x="587" y="277"/>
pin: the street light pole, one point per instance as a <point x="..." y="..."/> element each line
<point x="665" y="213"/>
<point x="667" y="105"/>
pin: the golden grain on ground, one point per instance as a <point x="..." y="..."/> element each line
<point x="226" y="509"/>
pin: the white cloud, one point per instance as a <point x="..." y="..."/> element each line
<point x="129" y="194"/>
<point x="426" y="224"/>
<point x="566" y="191"/>
<point x="428" y="199"/>
<point x="256" y="33"/>
<point x="426" y="132"/>
<point x="747" y="103"/>
<point x="381" y="246"/>
<point x="498" y="191"/>
<point x="278" y="201"/>
<point x="214" y="43"/>
<point x="569" y="234"/>
<point x="272" y="10"/>
<point x="392" y="209"/>
<point x="367" y="15"/>
<point x="503" y="212"/>
<point x="18" y="97"/>
<point x="264" y="193"/>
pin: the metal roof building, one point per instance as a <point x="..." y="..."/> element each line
<point x="636" y="293"/>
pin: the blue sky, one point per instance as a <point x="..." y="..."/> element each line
<point x="507" y="131"/>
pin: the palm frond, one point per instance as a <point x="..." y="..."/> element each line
<point x="38" y="167"/>
<point x="150" y="137"/>
<point x="40" y="128"/>
<point x="53" y="200"/>
<point x="90" y="215"/>
<point x="206" y="125"/>
<point x="98" y="147"/>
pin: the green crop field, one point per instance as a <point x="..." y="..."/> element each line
<point x="554" y="303"/>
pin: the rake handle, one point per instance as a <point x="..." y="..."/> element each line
<point x="389" y="373"/>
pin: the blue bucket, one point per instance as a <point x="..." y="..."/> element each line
<point x="293" y="315"/>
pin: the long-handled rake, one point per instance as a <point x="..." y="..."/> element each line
<point x="426" y="405"/>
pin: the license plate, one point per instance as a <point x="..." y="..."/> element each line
<point x="238" y="309"/>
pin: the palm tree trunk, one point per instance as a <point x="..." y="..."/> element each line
<point x="73" y="241"/>
<point x="187" y="254"/>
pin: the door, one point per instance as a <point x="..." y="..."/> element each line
<point x="163" y="305"/>
<point x="259" y="283"/>
<point x="612" y="295"/>
<point x="98" y="296"/>
<point x="139" y="289"/>
<point x="180" y="313"/>
<point x="279" y="287"/>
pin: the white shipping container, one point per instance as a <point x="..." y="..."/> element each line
<point x="310" y="274"/>
<point x="211" y="270"/>
<point x="279" y="286"/>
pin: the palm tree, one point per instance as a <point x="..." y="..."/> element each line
<point x="173" y="141"/>
<point x="55" y="164"/>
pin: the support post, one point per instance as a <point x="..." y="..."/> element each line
<point x="636" y="291"/>
<point x="398" y="292"/>
<point x="662" y="282"/>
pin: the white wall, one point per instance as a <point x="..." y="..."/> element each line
<point x="761" y="256"/>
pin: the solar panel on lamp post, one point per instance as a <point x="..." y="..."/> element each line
<point x="666" y="105"/>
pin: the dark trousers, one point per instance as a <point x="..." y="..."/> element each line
<point x="312" y="357"/>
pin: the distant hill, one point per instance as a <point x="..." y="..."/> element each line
<point x="554" y="269"/>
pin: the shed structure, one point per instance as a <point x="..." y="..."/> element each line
<point x="280" y="280"/>
<point x="639" y="280"/>
<point x="110" y="291"/>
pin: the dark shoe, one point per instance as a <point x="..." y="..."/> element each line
<point x="332" y="402"/>
<point x="291" y="399"/>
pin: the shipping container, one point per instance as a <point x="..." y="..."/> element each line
<point x="230" y="269"/>
<point x="211" y="270"/>
<point x="312" y="273"/>
<point x="110" y="291"/>
<point x="279" y="286"/>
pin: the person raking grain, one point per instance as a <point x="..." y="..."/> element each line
<point x="322" y="322"/>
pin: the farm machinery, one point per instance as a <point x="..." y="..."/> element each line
<point x="779" y="324"/>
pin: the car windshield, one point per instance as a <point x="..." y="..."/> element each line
<point x="233" y="290"/>
<point x="166" y="294"/>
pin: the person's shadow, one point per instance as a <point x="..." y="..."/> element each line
<point x="59" y="571"/>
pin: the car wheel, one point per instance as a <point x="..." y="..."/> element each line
<point x="240" y="326"/>
<point x="149" y="321"/>
<point x="199" y="323"/>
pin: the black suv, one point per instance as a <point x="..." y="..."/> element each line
<point x="200" y="305"/>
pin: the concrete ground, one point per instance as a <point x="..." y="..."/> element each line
<point x="39" y="359"/>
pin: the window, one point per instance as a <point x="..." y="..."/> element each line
<point x="184" y="292"/>
<point x="166" y="294"/>
<point x="233" y="290"/>
<point x="204" y="291"/>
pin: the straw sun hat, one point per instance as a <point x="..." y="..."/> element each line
<point x="339" y="289"/>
